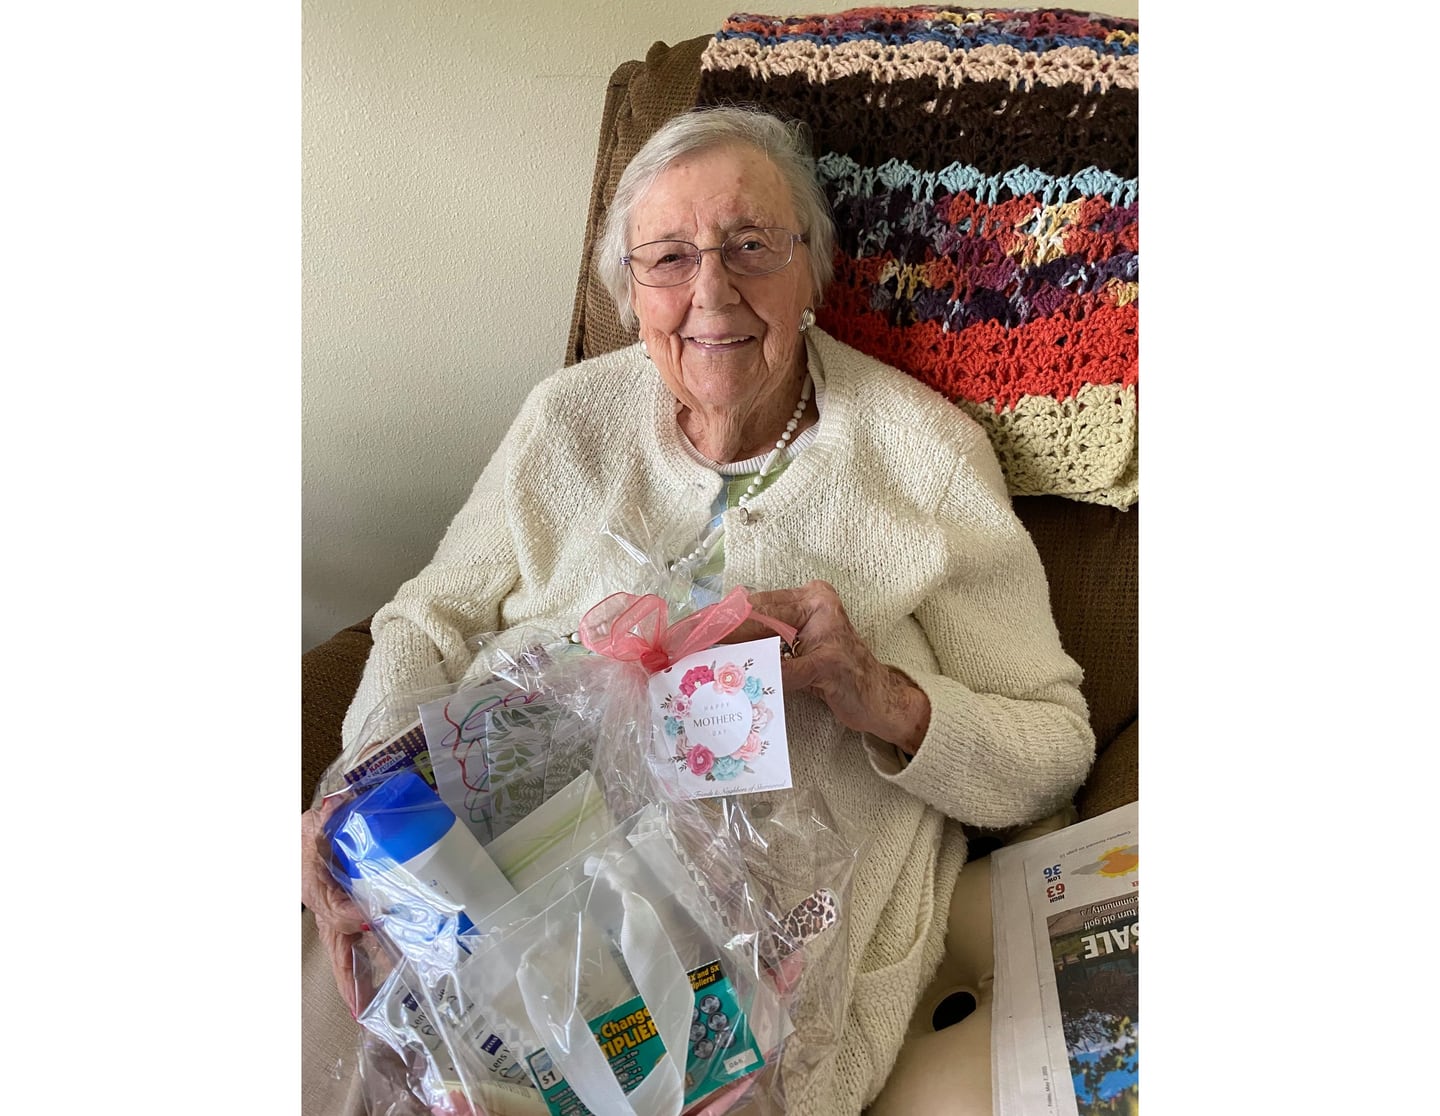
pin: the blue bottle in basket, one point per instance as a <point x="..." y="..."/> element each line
<point x="410" y="863"/>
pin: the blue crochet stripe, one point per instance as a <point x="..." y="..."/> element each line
<point x="844" y="176"/>
<point x="947" y="34"/>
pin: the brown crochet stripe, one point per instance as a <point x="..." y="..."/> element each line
<point x="1017" y="69"/>
<point x="1059" y="130"/>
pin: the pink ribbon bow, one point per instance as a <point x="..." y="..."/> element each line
<point x="635" y="629"/>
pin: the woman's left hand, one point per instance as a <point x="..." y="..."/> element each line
<point x="836" y="665"/>
<point x="338" y="920"/>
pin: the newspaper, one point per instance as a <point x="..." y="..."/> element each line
<point x="1067" y="954"/>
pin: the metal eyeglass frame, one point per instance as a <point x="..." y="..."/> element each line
<point x="698" y="258"/>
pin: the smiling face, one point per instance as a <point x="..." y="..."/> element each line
<point x="724" y="341"/>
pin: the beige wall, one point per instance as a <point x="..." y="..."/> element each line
<point x="448" y="149"/>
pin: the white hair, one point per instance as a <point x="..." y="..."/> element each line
<point x="786" y="145"/>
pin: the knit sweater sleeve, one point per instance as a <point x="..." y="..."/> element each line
<point x="457" y="595"/>
<point x="1009" y="738"/>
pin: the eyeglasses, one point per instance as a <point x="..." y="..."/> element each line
<point x="668" y="263"/>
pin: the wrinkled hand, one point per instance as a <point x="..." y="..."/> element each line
<point x="337" y="918"/>
<point x="836" y="665"/>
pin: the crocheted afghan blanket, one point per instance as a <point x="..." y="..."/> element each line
<point x="982" y="171"/>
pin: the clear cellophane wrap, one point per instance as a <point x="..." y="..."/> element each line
<point x="552" y="929"/>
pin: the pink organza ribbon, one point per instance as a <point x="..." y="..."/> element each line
<point x="636" y="629"/>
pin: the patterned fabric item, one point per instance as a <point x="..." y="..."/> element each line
<point x="982" y="170"/>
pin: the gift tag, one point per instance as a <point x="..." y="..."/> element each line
<point x="719" y="717"/>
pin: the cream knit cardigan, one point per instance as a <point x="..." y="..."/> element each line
<point x="900" y="504"/>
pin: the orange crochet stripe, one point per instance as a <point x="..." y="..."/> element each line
<point x="990" y="363"/>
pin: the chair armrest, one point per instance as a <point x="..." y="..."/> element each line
<point x="1115" y="778"/>
<point x="329" y="676"/>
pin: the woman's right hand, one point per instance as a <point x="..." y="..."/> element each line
<point x="338" y="919"/>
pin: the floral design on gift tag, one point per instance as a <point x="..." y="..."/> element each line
<point x="717" y="719"/>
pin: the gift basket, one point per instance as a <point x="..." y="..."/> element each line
<point x="589" y="883"/>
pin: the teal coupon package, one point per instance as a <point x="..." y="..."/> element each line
<point x="722" y="1047"/>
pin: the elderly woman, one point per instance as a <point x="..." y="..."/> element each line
<point x="929" y="690"/>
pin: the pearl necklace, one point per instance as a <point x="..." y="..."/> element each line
<point x="697" y="556"/>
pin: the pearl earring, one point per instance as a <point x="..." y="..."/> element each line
<point x="807" y="319"/>
<point x="645" y="349"/>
